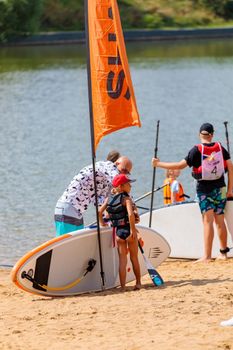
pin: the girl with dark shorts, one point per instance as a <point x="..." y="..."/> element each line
<point x="121" y="211"/>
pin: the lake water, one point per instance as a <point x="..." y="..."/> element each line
<point x="45" y="138"/>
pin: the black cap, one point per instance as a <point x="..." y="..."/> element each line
<point x="207" y="127"/>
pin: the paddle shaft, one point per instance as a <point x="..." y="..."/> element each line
<point x="227" y="136"/>
<point x="154" y="173"/>
<point x="149" y="193"/>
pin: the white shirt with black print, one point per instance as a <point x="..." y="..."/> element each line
<point x="80" y="192"/>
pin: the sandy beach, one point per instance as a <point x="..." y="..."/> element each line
<point x="183" y="314"/>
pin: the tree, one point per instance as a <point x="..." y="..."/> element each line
<point x="19" y="17"/>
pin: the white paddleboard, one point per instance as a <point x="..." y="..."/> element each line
<point x="62" y="260"/>
<point x="181" y="225"/>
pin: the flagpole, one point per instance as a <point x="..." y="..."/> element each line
<point x="93" y="140"/>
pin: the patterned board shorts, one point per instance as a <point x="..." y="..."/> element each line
<point x="215" y="200"/>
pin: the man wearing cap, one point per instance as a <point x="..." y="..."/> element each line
<point x="80" y="193"/>
<point x="209" y="161"/>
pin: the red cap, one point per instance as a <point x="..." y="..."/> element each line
<point x="121" y="179"/>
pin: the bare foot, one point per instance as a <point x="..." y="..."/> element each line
<point x="122" y="289"/>
<point x="222" y="257"/>
<point x="137" y="286"/>
<point x="203" y="260"/>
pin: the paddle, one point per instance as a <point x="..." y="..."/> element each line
<point x="149" y="193"/>
<point x="154" y="275"/>
<point x="227" y="136"/>
<point x="154" y="173"/>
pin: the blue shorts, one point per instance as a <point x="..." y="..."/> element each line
<point x="214" y="200"/>
<point x="63" y="228"/>
<point x="67" y="219"/>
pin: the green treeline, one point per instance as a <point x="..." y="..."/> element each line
<point x="23" y="17"/>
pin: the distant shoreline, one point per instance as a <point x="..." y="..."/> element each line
<point x="66" y="38"/>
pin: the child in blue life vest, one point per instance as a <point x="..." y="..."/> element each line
<point x="121" y="211"/>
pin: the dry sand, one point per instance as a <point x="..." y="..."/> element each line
<point x="184" y="314"/>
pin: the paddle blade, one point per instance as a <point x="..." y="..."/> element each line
<point x="155" y="277"/>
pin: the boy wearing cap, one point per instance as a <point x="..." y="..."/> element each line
<point x="120" y="208"/>
<point x="209" y="161"/>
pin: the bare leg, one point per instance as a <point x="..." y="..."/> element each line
<point x="208" y="219"/>
<point x="222" y="233"/>
<point x="133" y="250"/>
<point x="122" y="251"/>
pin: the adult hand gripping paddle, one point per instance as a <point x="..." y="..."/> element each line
<point x="154" y="275"/>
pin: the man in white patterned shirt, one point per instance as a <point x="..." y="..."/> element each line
<point x="80" y="193"/>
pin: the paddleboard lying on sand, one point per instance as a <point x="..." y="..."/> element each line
<point x="181" y="225"/>
<point x="69" y="264"/>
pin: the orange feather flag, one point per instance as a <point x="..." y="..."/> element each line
<point x="113" y="101"/>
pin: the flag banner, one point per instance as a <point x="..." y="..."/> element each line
<point x="113" y="101"/>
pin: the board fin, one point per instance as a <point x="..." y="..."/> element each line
<point x="42" y="267"/>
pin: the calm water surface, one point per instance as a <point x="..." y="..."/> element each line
<point x="44" y="134"/>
